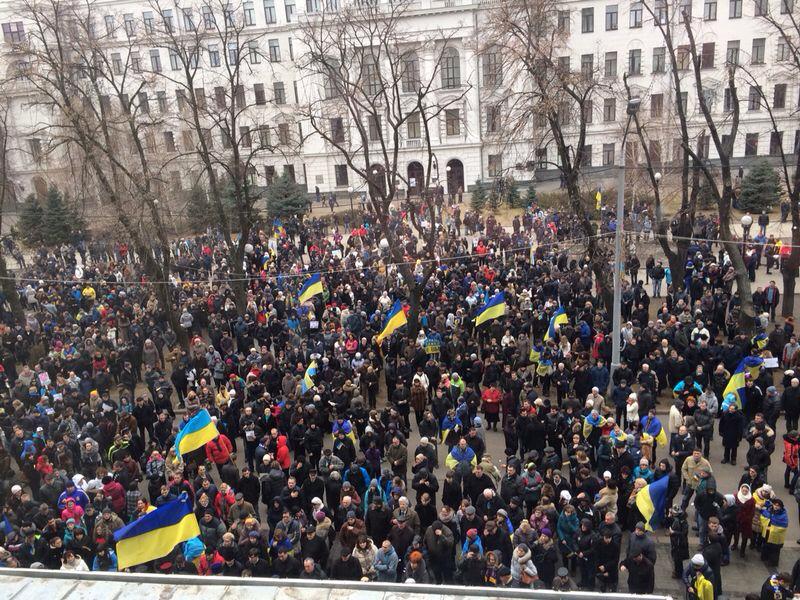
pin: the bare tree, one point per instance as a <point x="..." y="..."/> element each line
<point x="368" y="98"/>
<point x="7" y="281"/>
<point x="95" y="89"/>
<point x="785" y="24"/>
<point x="224" y="129"/>
<point x="550" y="104"/>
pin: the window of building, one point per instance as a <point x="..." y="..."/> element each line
<point x="684" y="99"/>
<point x="656" y="106"/>
<point x="129" y="22"/>
<point x="269" y="12"/>
<point x="245" y="139"/>
<point x="659" y="59"/>
<point x="751" y="144"/>
<point x="654" y="149"/>
<point x="783" y="50"/>
<point x="413" y="129"/>
<point x="161" y="98"/>
<point x="787" y="6"/>
<point x="136" y="62"/>
<point x="563" y="64"/>
<point x="253" y="52"/>
<point x="779" y="96"/>
<point x="213" y="55"/>
<point x="757" y="55"/>
<point x="660" y="12"/>
<point x="732" y="54"/>
<point x="410" y="79"/>
<point x="274" y="50"/>
<point x="239" y="97"/>
<point x="492" y="68"/>
<point x="541" y="158"/>
<point x="149" y="22"/>
<point x="111" y="26"/>
<point x="188" y="20"/>
<point x="586" y="156"/>
<point x="451" y="68"/>
<point x="169" y="141"/>
<point x="797" y="141"/>
<point x="283" y="134"/>
<point x="371" y="76"/>
<point x="260" y="94"/>
<point x="220" y="98"/>
<point x="754" y="98"/>
<point x="635" y="62"/>
<point x="200" y="98"/>
<point x="249" y="10"/>
<point x="727" y="100"/>
<point x="587" y="66"/>
<point x="611" y="64"/>
<point x="290" y="9"/>
<point x="269" y="173"/>
<point x="493" y="113"/>
<point x="587" y="20"/>
<point x="291" y="49"/>
<point x="683" y="58"/>
<point x="116" y="63"/>
<point x="686" y="8"/>
<point x="340" y="171"/>
<point x="452" y="120"/>
<point x="776" y="143"/>
<point x="588" y="111"/>
<point x="563" y="21"/>
<point x="337" y="130"/>
<point x="608" y="154"/>
<point x="166" y="15"/>
<point x="233" y="53"/>
<point x="636" y="15"/>
<point x="155" y="61"/>
<point x="279" y="92"/>
<point x="144" y="103"/>
<point x="710" y="10"/>
<point x="495" y="164"/>
<point x="760" y="8"/>
<point x="707" y="55"/>
<point x="610" y="109"/>
<point x="612" y="17"/>
<point x="735" y="9"/>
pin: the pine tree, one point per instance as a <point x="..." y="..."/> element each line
<point x="478" y="199"/>
<point x="760" y="188"/>
<point x="30" y="223"/>
<point x="494" y="199"/>
<point x="513" y="197"/>
<point x="57" y="219"/>
<point x="199" y="214"/>
<point x="530" y="198"/>
<point x="285" y="198"/>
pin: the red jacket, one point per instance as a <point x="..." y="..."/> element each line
<point x="282" y="453"/>
<point x="219" y="450"/>
<point x="116" y="494"/>
<point x="790" y="450"/>
<point x="491" y="401"/>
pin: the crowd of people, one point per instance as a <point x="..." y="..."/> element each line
<point x="324" y="481"/>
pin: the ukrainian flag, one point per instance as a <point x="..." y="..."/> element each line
<point x="308" y="379"/>
<point x="651" y="502"/>
<point x="559" y="318"/>
<point x="155" y="534"/>
<point x="493" y="309"/>
<point x="749" y="364"/>
<point x="278" y="230"/>
<point x="311" y="288"/>
<point x="655" y="428"/>
<point x="535" y="353"/>
<point x="198" y="431"/>
<point x="759" y="340"/>
<point x="394" y="320"/>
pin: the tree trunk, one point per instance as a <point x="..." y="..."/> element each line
<point x="789" y="274"/>
<point x="10" y="291"/>
<point x="746" y="313"/>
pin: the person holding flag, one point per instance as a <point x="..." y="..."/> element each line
<point x="493" y="309"/>
<point x="651" y="501"/>
<point x="652" y="426"/>
<point x="196" y="433"/>
<point x="396" y="318"/>
<point x="308" y="377"/>
<point x="735" y="390"/>
<point x="312" y="287"/>
<point x="559" y="318"/>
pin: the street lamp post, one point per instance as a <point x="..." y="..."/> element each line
<point x="350" y="191"/>
<point x="619" y="264"/>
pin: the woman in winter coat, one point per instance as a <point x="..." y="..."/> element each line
<point x="744" y="519"/>
<point x="90" y="457"/>
<point x="523" y="571"/>
<point x="365" y="552"/>
<point x="567" y="528"/>
<point x="731" y="430"/>
<point x="607" y="502"/>
<point x="545" y="558"/>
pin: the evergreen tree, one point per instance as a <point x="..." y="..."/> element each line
<point x="494" y="199"/>
<point x="531" y="199"/>
<point x="478" y="198"/>
<point x="58" y="219"/>
<point x="705" y="197"/>
<point x="199" y="213"/>
<point x="285" y="198"/>
<point x="513" y="197"/>
<point x="30" y="225"/>
<point x="760" y="188"/>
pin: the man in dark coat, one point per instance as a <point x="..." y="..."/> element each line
<point x="731" y="430"/>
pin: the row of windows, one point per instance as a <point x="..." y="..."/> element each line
<point x="660" y="10"/>
<point x="452" y="126"/>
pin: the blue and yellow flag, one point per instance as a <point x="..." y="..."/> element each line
<point x="559" y="318"/>
<point x="311" y="288"/>
<point x="651" y="501"/>
<point x="493" y="309"/>
<point x="308" y="379"/>
<point x="155" y="534"/>
<point x="749" y="364"/>
<point x="653" y="426"/>
<point x="394" y="320"/>
<point x="198" y="431"/>
<point x="759" y="340"/>
<point x="535" y="353"/>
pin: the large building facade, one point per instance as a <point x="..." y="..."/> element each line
<point x="605" y="40"/>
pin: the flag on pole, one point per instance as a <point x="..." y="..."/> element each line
<point x="198" y="431"/>
<point x="394" y="320"/>
<point x="311" y="288"/>
<point x="559" y="318"/>
<point x="308" y="379"/>
<point x="493" y="309"/>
